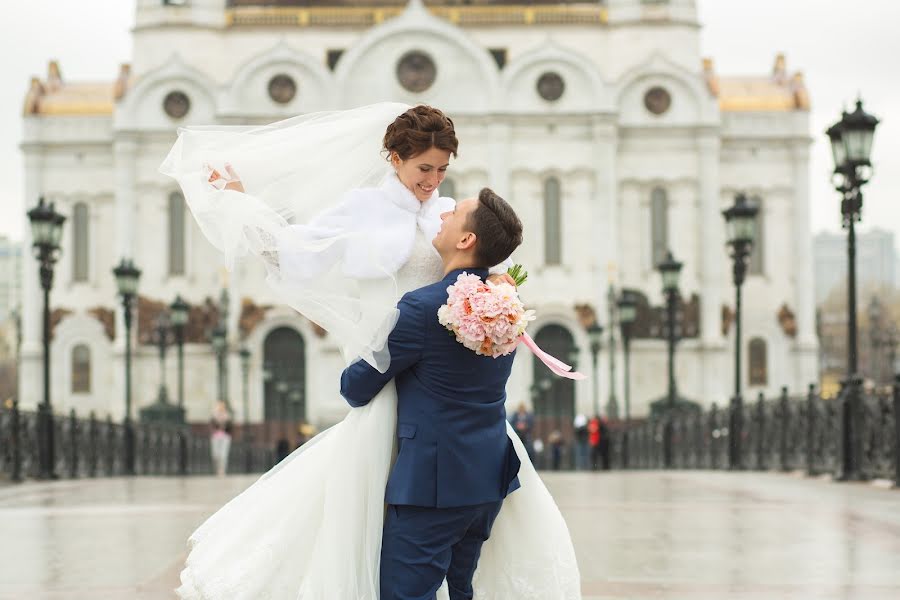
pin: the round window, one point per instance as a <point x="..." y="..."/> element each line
<point x="282" y="89"/>
<point x="657" y="100"/>
<point x="176" y="104"/>
<point x="551" y="86"/>
<point x="416" y="71"/>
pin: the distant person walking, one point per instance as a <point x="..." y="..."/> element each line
<point x="220" y="439"/>
<point x="522" y="422"/>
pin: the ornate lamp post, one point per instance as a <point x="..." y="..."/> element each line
<point x="179" y="312"/>
<point x="595" y="334"/>
<point x="46" y="232"/>
<point x="627" y="305"/>
<point x="162" y="343"/>
<point x="851" y="146"/>
<point x="740" y="220"/>
<point x="219" y="342"/>
<point x="282" y="388"/>
<point x="612" y="404"/>
<point x="296" y="397"/>
<point x="127" y="276"/>
<point x="544" y="386"/>
<point x="670" y="269"/>
<point x="245" y="377"/>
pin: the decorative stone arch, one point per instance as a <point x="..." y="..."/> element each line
<point x="469" y="82"/>
<point x="142" y="106"/>
<point x="691" y="102"/>
<point x="248" y="93"/>
<point x="584" y="91"/>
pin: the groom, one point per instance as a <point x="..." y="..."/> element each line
<point x="456" y="463"/>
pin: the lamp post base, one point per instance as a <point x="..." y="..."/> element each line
<point x="47" y="443"/>
<point x="129" y="447"/>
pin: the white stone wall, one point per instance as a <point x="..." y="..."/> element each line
<point x="607" y="150"/>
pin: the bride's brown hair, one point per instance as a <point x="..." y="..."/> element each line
<point x="419" y="129"/>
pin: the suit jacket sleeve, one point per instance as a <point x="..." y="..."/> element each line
<point x="360" y="382"/>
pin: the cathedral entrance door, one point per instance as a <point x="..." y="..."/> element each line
<point x="284" y="408"/>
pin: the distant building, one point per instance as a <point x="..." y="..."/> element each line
<point x="612" y="136"/>
<point x="10" y="276"/>
<point x="876" y="261"/>
<point x="10" y="293"/>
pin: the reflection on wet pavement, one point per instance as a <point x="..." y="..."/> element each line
<point x="638" y="535"/>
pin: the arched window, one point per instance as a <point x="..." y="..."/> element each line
<point x="552" y="222"/>
<point x="756" y="257"/>
<point x="759" y="373"/>
<point x="176" y="234"/>
<point x="80" y="243"/>
<point x="448" y="188"/>
<point x="659" y="225"/>
<point x="81" y="369"/>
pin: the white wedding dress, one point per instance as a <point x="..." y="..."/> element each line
<point x="311" y="528"/>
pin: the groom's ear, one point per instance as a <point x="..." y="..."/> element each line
<point x="467" y="241"/>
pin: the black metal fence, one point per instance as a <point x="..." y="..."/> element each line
<point x="96" y="448"/>
<point x="787" y="433"/>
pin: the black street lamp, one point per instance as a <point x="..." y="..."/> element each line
<point x="127" y="276"/>
<point x="595" y="335"/>
<point x="851" y="147"/>
<point x="282" y="388"/>
<point x="612" y="404"/>
<point x="627" y="305"/>
<point x="219" y="342"/>
<point x="246" y="435"/>
<point x="46" y="232"/>
<point x="740" y="220"/>
<point x="162" y="343"/>
<point x="179" y="312"/>
<point x="670" y="269"/>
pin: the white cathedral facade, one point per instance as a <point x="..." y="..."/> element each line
<point x="600" y="122"/>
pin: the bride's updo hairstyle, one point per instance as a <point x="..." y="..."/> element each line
<point x="418" y="130"/>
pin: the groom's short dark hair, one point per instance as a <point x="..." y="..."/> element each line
<point x="497" y="229"/>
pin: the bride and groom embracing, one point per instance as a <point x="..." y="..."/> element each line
<point x="411" y="495"/>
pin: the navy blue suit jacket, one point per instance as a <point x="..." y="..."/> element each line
<point x="451" y="420"/>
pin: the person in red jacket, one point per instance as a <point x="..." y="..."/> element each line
<point x="594" y="441"/>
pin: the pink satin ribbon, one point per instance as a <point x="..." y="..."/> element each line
<point x="554" y="364"/>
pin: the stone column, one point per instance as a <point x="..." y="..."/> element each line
<point x="804" y="298"/>
<point x="126" y="243"/>
<point x="605" y="200"/>
<point x="712" y="274"/>
<point x="30" y="379"/>
<point x="499" y="140"/>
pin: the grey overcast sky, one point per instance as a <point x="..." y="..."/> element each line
<point x="843" y="48"/>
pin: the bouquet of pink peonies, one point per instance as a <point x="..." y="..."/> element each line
<point x="490" y="319"/>
<point x="485" y="317"/>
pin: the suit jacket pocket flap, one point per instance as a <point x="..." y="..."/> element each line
<point x="406" y="430"/>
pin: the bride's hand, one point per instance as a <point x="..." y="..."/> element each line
<point x="498" y="278"/>
<point x="220" y="182"/>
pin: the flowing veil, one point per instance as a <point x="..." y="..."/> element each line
<point x="295" y="170"/>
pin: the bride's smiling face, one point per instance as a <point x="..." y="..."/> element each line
<point x="423" y="173"/>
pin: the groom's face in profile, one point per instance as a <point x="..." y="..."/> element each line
<point x="454" y="234"/>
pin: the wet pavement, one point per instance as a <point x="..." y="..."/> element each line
<point x="638" y="535"/>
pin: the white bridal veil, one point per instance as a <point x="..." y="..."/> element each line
<point x="296" y="173"/>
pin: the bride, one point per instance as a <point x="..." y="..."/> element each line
<point x="342" y="236"/>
